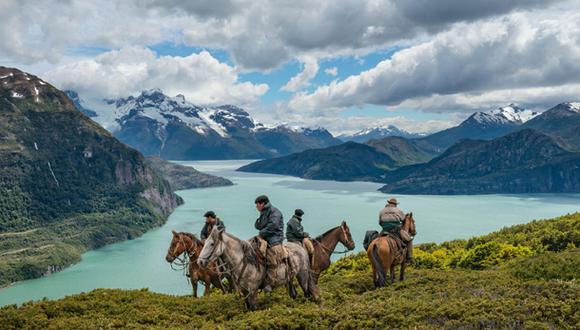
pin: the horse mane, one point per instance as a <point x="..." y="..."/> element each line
<point x="250" y="255"/>
<point x="193" y="238"/>
<point x="319" y="237"/>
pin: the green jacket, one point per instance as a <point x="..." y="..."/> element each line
<point x="294" y="230"/>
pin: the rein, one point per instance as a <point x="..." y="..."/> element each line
<point x="327" y="250"/>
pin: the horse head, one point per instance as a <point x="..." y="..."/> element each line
<point x="346" y="237"/>
<point x="409" y="224"/>
<point x="177" y="247"/>
<point x="213" y="247"/>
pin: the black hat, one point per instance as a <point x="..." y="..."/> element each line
<point x="299" y="212"/>
<point x="262" y="199"/>
<point x="209" y="214"/>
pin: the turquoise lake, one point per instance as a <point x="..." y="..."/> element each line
<point x="140" y="263"/>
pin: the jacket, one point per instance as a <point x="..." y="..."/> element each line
<point x="391" y="217"/>
<point x="271" y="225"/>
<point x="207" y="228"/>
<point x="294" y="230"/>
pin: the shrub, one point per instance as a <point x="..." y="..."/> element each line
<point x="547" y="266"/>
<point x="491" y="254"/>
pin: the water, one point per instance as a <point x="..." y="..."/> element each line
<point x="140" y="263"/>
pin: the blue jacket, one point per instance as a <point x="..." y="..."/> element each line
<point x="271" y="225"/>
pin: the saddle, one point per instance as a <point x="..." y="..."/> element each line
<point x="371" y="235"/>
<point x="260" y="247"/>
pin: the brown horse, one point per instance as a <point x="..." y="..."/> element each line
<point x="324" y="246"/>
<point x="188" y="243"/>
<point x="384" y="256"/>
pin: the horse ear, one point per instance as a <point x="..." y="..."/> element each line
<point x="174" y="232"/>
<point x="411" y="214"/>
<point x="343" y="224"/>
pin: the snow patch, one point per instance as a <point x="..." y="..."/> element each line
<point x="16" y="95"/>
<point x="206" y="116"/>
<point x="35" y="146"/>
<point x="6" y="76"/>
<point x="574" y="106"/>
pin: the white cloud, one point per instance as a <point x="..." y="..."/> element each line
<point x="259" y="34"/>
<point x="302" y="79"/>
<point x="482" y="60"/>
<point x="331" y="71"/>
<point x="200" y="77"/>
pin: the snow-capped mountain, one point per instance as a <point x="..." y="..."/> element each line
<point x="483" y="126"/>
<point x="379" y="132"/>
<point x="173" y="128"/>
<point x="562" y="121"/>
<point x="510" y="114"/>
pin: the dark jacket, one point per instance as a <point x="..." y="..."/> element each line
<point x="294" y="230"/>
<point x="271" y="225"/>
<point x="207" y="228"/>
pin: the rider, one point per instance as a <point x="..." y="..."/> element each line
<point x="211" y="220"/>
<point x="271" y="227"/>
<point x="295" y="232"/>
<point x="391" y="218"/>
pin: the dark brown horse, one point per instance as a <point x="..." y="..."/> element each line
<point x="384" y="255"/>
<point x="324" y="246"/>
<point x="188" y="243"/>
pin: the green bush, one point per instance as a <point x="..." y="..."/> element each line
<point x="491" y="254"/>
<point x="547" y="266"/>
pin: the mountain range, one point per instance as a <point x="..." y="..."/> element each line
<point x="346" y="162"/>
<point x="172" y="128"/>
<point x="526" y="161"/>
<point x="508" y="150"/>
<point x="379" y="132"/>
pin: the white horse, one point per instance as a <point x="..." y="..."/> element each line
<point x="248" y="273"/>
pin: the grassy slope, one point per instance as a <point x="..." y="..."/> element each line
<point x="536" y="290"/>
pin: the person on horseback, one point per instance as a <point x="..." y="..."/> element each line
<point x="295" y="232"/>
<point x="271" y="228"/>
<point x="390" y="219"/>
<point x="211" y="220"/>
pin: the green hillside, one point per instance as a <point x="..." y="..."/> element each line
<point x="66" y="184"/>
<point x="519" y="277"/>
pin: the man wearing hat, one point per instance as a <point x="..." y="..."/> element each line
<point x="391" y="218"/>
<point x="295" y="232"/>
<point x="211" y="220"/>
<point x="271" y="228"/>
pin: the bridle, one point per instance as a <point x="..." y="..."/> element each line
<point x="328" y="251"/>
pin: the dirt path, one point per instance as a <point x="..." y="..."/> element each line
<point x="18" y="233"/>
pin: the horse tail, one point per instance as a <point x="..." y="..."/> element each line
<point x="380" y="272"/>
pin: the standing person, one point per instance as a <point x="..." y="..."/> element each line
<point x="295" y="232"/>
<point x="271" y="228"/>
<point x="211" y="220"/>
<point x="390" y="219"/>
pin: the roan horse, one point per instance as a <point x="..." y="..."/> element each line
<point x="384" y="256"/>
<point x="246" y="270"/>
<point x="188" y="243"/>
<point x="324" y="246"/>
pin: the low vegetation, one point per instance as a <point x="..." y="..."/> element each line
<point x="519" y="277"/>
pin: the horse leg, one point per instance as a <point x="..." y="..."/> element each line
<point x="194" y="287"/>
<point x="402" y="275"/>
<point x="291" y="289"/>
<point x="250" y="301"/>
<point x="207" y="288"/>
<point x="392" y="273"/>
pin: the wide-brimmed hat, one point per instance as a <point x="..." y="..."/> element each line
<point x="393" y="201"/>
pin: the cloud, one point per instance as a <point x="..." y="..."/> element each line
<point x="331" y="71"/>
<point x="258" y="34"/>
<point x="302" y="79"/>
<point x="200" y="77"/>
<point x="503" y="56"/>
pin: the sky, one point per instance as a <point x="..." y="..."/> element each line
<point x="422" y="65"/>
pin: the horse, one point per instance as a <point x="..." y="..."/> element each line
<point x="246" y="270"/>
<point x="382" y="253"/>
<point x="324" y="246"/>
<point x="188" y="243"/>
